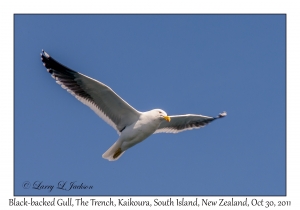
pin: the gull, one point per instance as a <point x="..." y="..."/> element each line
<point x="132" y="126"/>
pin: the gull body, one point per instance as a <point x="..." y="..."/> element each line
<point x="135" y="133"/>
<point x="133" y="126"/>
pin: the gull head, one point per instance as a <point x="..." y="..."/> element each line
<point x="162" y="114"/>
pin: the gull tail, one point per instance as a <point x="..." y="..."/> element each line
<point x="114" y="152"/>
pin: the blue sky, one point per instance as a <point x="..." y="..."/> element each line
<point x="197" y="64"/>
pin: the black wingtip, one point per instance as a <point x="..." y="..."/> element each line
<point x="45" y="54"/>
<point x="221" y="115"/>
<point x="52" y="65"/>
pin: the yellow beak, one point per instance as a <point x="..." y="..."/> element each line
<point x="167" y="118"/>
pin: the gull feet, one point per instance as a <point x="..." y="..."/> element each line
<point x="117" y="153"/>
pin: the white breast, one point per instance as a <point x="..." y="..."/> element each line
<point x="139" y="131"/>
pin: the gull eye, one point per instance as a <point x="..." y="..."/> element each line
<point x="159" y="112"/>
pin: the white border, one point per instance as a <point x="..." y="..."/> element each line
<point x="152" y="7"/>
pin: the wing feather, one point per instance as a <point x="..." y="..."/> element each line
<point x="98" y="96"/>
<point x="181" y="123"/>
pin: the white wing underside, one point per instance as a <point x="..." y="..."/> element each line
<point x="181" y="123"/>
<point x="96" y="95"/>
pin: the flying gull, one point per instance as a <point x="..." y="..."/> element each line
<point x="133" y="126"/>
